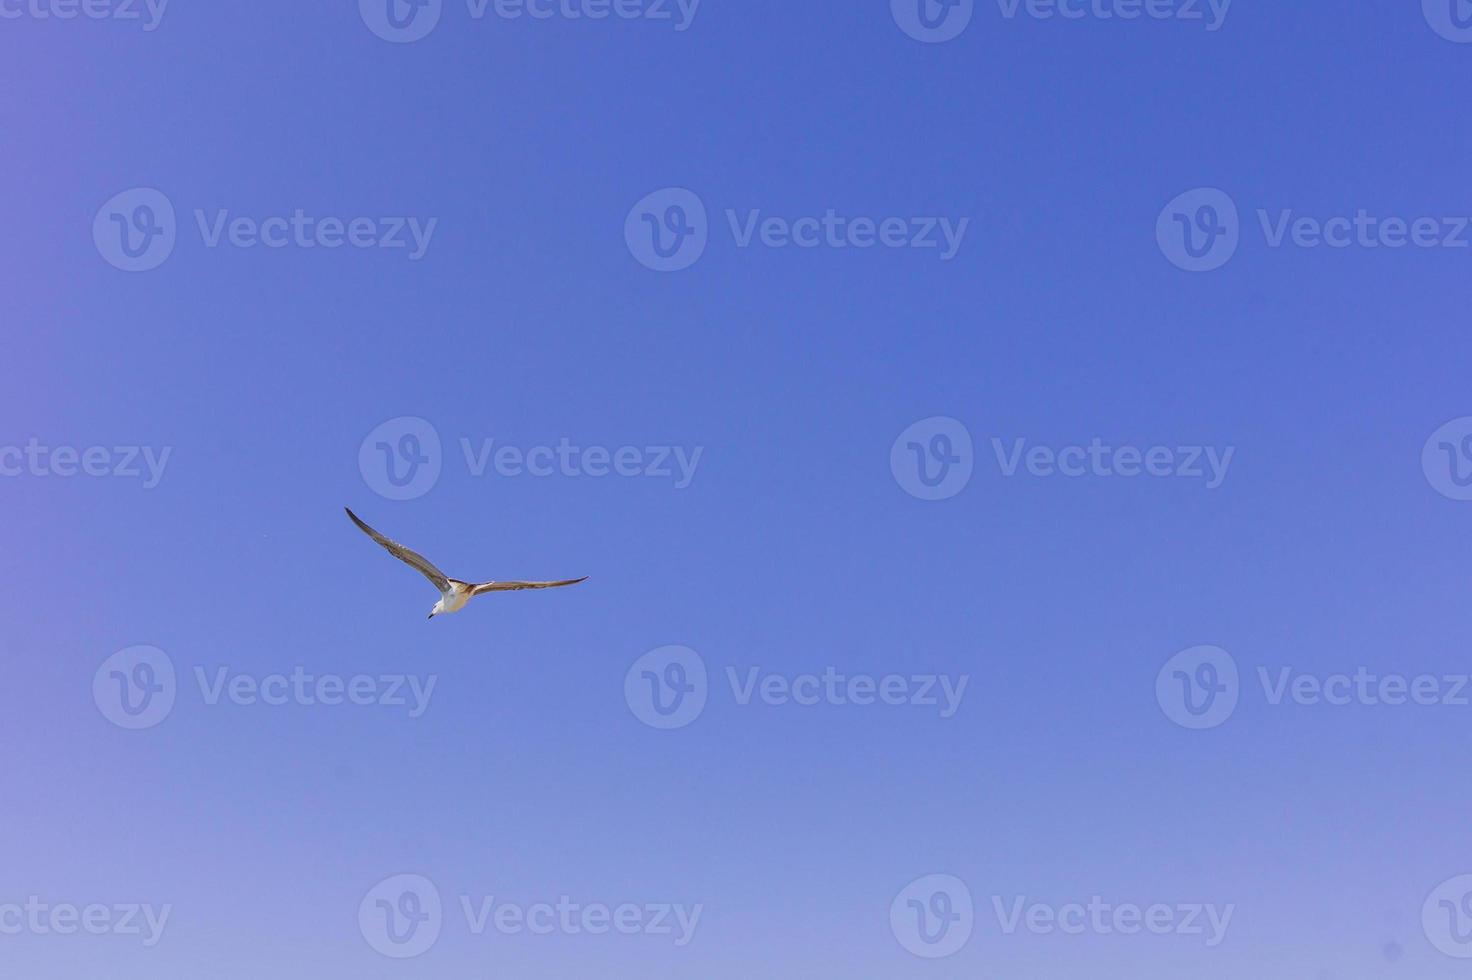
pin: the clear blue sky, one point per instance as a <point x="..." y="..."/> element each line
<point x="529" y="320"/>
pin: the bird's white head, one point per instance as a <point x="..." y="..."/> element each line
<point x="439" y="607"/>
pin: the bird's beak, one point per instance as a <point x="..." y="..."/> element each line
<point x="431" y="615"/>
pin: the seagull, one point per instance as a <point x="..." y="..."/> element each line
<point x="454" y="594"/>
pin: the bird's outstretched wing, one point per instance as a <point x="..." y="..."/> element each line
<point x="516" y="586"/>
<point x="408" y="557"/>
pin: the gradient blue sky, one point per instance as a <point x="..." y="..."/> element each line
<point x="528" y="321"/>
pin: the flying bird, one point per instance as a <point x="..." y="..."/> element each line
<point x="454" y="594"/>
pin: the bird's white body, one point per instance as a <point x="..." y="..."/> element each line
<point x="454" y="594"/>
<point x="453" y="600"/>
